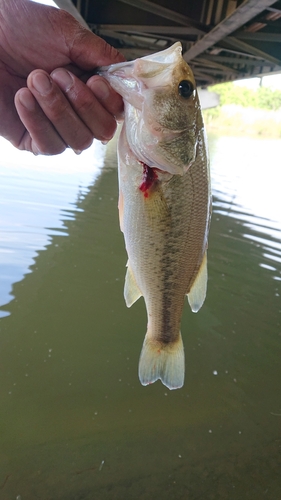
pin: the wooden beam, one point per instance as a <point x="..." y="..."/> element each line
<point x="160" y="11"/>
<point x="244" y="13"/>
<point x="258" y="36"/>
<point x="139" y="28"/>
<point x="213" y="71"/>
<point x="247" y="48"/>
<point x="213" y="63"/>
<point x="134" y="53"/>
<point x="233" y="60"/>
<point x="134" y="41"/>
<point x="202" y="76"/>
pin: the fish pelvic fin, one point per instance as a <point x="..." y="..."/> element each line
<point x="198" y="291"/>
<point x="162" y="361"/>
<point x="131" y="290"/>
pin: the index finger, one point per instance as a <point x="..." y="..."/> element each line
<point x="95" y="106"/>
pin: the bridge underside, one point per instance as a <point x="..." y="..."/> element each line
<point x="222" y="40"/>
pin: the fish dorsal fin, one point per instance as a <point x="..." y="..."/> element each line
<point x="197" y="294"/>
<point x="131" y="290"/>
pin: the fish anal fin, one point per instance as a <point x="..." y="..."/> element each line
<point x="162" y="361"/>
<point x="197" y="294"/>
<point x="131" y="290"/>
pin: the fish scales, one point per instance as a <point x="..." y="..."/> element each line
<point x="171" y="261"/>
<point x="164" y="203"/>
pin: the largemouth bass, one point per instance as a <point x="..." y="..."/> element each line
<point x="164" y="202"/>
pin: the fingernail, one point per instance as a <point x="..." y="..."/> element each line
<point x="41" y="83"/>
<point x="63" y="78"/>
<point x="26" y="99"/>
<point x="101" y="89"/>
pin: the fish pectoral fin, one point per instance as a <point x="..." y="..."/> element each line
<point x="197" y="294"/>
<point x="131" y="290"/>
<point x="164" y="362"/>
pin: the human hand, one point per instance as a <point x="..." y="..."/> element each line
<point x="59" y="105"/>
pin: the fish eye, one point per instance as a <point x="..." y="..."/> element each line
<point x="185" y="89"/>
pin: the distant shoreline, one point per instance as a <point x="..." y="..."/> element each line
<point x="239" y="121"/>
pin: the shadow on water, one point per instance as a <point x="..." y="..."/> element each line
<point x="75" y="421"/>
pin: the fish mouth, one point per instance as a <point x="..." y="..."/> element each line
<point x="122" y="69"/>
<point x="123" y="80"/>
<point x="134" y="80"/>
<point x="131" y="79"/>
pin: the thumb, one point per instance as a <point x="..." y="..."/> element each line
<point x="87" y="50"/>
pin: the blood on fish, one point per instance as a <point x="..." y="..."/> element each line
<point x="149" y="177"/>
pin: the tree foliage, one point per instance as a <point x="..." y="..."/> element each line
<point x="263" y="97"/>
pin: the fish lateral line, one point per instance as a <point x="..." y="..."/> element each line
<point x="149" y="178"/>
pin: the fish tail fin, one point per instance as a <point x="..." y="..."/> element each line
<point x="162" y="361"/>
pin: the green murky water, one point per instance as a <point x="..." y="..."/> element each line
<point x="75" y="423"/>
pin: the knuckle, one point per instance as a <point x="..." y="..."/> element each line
<point x="112" y="53"/>
<point x="57" y="109"/>
<point x="84" y="107"/>
<point x="84" y="102"/>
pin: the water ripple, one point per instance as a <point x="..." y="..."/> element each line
<point x="246" y="179"/>
<point x="37" y="196"/>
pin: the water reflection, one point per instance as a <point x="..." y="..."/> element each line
<point x="246" y="186"/>
<point x="37" y="196"/>
<point x="75" y="421"/>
